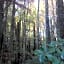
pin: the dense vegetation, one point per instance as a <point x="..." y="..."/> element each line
<point x="31" y="32"/>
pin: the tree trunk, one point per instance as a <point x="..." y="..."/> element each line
<point x="5" y="22"/>
<point x="60" y="18"/>
<point x="37" y="22"/>
<point x="34" y="37"/>
<point x="1" y="22"/>
<point x="13" y="43"/>
<point x="18" y="40"/>
<point x="48" y="39"/>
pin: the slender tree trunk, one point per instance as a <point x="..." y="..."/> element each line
<point x="24" y="34"/>
<point x="18" y="38"/>
<point x="5" y="22"/>
<point x="13" y="42"/>
<point x="37" y="40"/>
<point x="34" y="37"/>
<point x="54" y="25"/>
<point x="5" y="41"/>
<point x="48" y="39"/>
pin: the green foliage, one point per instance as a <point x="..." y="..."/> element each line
<point x="52" y="53"/>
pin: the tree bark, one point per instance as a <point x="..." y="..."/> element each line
<point x="1" y="22"/>
<point x="60" y="19"/>
<point x="48" y="39"/>
<point x="13" y="43"/>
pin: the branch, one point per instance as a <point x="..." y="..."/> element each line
<point x="21" y="6"/>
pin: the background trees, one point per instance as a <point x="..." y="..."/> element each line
<point x="25" y="24"/>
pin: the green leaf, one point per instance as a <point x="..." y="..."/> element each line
<point x="53" y="59"/>
<point x="43" y="48"/>
<point x="58" y="50"/>
<point x="41" y="58"/>
<point x="51" y="50"/>
<point x="62" y="62"/>
<point x="61" y="40"/>
<point x="38" y="52"/>
<point x="62" y="55"/>
<point x="52" y="44"/>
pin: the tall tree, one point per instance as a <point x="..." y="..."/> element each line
<point x="5" y="22"/>
<point x="60" y="18"/>
<point x="37" y="38"/>
<point x="13" y="42"/>
<point x="47" y="23"/>
<point x="24" y="34"/>
<point x="1" y="22"/>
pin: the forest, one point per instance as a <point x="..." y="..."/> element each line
<point x="31" y="31"/>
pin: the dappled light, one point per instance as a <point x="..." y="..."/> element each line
<point x="31" y="31"/>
